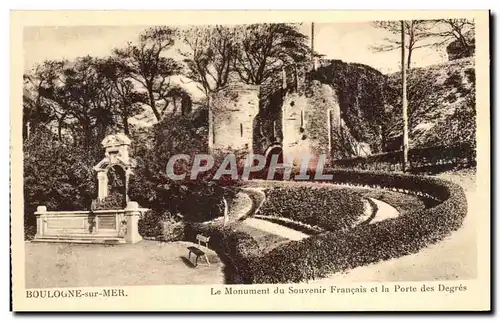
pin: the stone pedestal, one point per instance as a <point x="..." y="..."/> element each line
<point x="39" y="220"/>
<point x="132" y="215"/>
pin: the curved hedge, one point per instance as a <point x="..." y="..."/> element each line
<point x="334" y="209"/>
<point x="463" y="154"/>
<point x="235" y="248"/>
<point x="317" y="256"/>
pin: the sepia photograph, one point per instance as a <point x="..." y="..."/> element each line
<point x="316" y="155"/>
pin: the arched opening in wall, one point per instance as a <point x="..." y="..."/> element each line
<point x="274" y="150"/>
<point x="117" y="188"/>
<point x="270" y="152"/>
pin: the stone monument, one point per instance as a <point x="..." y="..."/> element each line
<point x="116" y="155"/>
<point x="115" y="225"/>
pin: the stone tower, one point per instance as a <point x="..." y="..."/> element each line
<point x="310" y="121"/>
<point x="231" y="118"/>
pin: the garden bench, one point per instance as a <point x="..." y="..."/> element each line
<point x="197" y="251"/>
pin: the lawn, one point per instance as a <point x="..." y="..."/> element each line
<point x="266" y="241"/>
<point x="143" y="263"/>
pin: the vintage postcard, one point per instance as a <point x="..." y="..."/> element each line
<point x="250" y="161"/>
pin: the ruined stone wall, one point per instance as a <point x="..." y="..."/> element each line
<point x="232" y="115"/>
<point x="309" y="120"/>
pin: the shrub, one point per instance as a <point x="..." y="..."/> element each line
<point x="112" y="202"/>
<point x="461" y="154"/>
<point x="172" y="231"/>
<point x="237" y="249"/>
<point x="331" y="252"/>
<point x="151" y="224"/>
<point x="470" y="73"/>
<point x="197" y="200"/>
<point x="430" y="103"/>
<point x="327" y="208"/>
<point x="161" y="226"/>
<point x="361" y="92"/>
<point x="55" y="175"/>
<point x="454" y="80"/>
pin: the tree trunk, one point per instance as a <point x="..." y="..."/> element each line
<point x="410" y="51"/>
<point x="25" y="130"/>
<point x="59" y="131"/>
<point x="152" y="103"/>
<point x="404" y="98"/>
<point x="125" y="125"/>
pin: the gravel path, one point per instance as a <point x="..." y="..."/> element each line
<point x="143" y="263"/>
<point x="385" y="211"/>
<point x="454" y="258"/>
<point x="274" y="228"/>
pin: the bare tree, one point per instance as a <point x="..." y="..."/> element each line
<point x="416" y="32"/>
<point x="460" y="31"/>
<point x="146" y="64"/>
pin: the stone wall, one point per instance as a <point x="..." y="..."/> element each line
<point x="309" y="120"/>
<point x="232" y="115"/>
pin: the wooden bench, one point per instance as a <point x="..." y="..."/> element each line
<point x="197" y="251"/>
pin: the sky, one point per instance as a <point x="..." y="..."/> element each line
<point x="349" y="42"/>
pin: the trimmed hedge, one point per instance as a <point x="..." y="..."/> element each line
<point x="320" y="255"/>
<point x="236" y="249"/>
<point x="331" y="209"/>
<point x="463" y="154"/>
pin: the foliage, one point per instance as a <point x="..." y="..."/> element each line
<point x="196" y="200"/>
<point x="172" y="230"/>
<point x="146" y="64"/>
<point x="463" y="154"/>
<point x="57" y="176"/>
<point x="361" y="92"/>
<point x="36" y="108"/>
<point x="236" y="248"/>
<point x="433" y="117"/>
<point x="211" y="54"/>
<point x="336" y="251"/>
<point x="112" y="202"/>
<point x="265" y="49"/>
<point x="161" y="226"/>
<point x="150" y="224"/>
<point x="332" y="209"/>
<point x="82" y="101"/>
<point x="128" y="99"/>
<point x="319" y="255"/>
<point x="457" y="34"/>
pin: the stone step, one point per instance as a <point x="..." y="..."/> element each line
<point x="81" y="236"/>
<point x="88" y="239"/>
